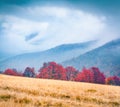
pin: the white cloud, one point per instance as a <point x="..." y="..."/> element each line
<point x="49" y="11"/>
<point x="77" y="26"/>
<point x="22" y="26"/>
<point x="15" y="31"/>
<point x="60" y="26"/>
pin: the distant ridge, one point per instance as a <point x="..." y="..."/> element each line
<point x="57" y="54"/>
<point x="106" y="57"/>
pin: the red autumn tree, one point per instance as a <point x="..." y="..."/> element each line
<point x="92" y="75"/>
<point x="98" y="77"/>
<point x="85" y="76"/>
<point x="52" y="70"/>
<point x="11" y="72"/>
<point x="29" y="72"/>
<point x="113" y="80"/>
<point x="71" y="73"/>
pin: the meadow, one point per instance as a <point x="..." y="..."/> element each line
<point x="32" y="92"/>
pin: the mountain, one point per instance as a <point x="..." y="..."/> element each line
<point x="106" y="57"/>
<point x="58" y="54"/>
<point x="4" y="56"/>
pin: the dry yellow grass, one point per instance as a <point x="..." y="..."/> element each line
<point x="29" y="92"/>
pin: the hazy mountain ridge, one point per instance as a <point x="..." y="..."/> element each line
<point x="58" y="54"/>
<point x="79" y="55"/>
<point x="106" y="57"/>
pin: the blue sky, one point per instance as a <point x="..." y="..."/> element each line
<point x="35" y="25"/>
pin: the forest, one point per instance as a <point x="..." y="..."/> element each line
<point x="52" y="70"/>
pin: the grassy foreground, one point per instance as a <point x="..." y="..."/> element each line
<point x="29" y="92"/>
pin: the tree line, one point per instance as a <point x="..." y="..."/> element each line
<point x="52" y="70"/>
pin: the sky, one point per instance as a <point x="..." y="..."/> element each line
<point x="36" y="25"/>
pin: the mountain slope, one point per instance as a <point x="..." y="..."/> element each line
<point x="106" y="57"/>
<point x="58" y="54"/>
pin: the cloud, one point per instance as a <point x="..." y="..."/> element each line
<point x="75" y="26"/>
<point x="49" y="11"/>
<point x="21" y="26"/>
<point x="31" y="36"/>
<point x="16" y="30"/>
<point x="56" y="25"/>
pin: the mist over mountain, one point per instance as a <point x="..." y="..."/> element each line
<point x="78" y="55"/>
<point x="58" y="54"/>
<point x="106" y="57"/>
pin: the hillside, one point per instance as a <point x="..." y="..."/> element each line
<point x="106" y="57"/>
<point x="30" y="92"/>
<point x="57" y="54"/>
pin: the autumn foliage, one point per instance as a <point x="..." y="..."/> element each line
<point x="52" y="70"/>
<point x="29" y="72"/>
<point x="85" y="76"/>
<point x="113" y="80"/>
<point x="11" y="72"/>
<point x="98" y="77"/>
<point x="71" y="73"/>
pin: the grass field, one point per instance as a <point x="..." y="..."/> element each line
<point x="30" y="92"/>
